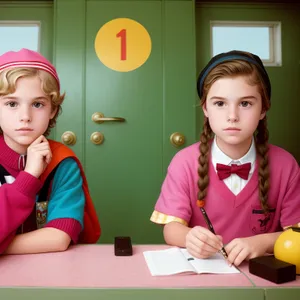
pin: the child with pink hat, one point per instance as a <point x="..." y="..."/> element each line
<point x="38" y="213"/>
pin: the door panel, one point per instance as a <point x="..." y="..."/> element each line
<point x="125" y="170"/>
<point x="283" y="121"/>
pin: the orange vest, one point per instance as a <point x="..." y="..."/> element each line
<point x="92" y="229"/>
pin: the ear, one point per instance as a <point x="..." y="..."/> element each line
<point x="205" y="110"/>
<point x="262" y="115"/>
<point x="53" y="113"/>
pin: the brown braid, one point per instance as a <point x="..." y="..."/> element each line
<point x="204" y="160"/>
<point x="262" y="148"/>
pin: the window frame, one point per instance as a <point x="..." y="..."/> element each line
<point x="275" y="46"/>
<point x="25" y="23"/>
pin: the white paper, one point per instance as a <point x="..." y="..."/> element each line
<point x="175" y="260"/>
<point x="167" y="262"/>
<point x="215" y="264"/>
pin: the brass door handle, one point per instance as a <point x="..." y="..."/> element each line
<point x="99" y="118"/>
<point x="177" y="139"/>
<point x="68" y="138"/>
<point x="97" y="138"/>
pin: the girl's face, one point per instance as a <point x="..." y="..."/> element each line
<point x="25" y="114"/>
<point x="234" y="109"/>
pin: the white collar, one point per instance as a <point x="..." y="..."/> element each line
<point x="220" y="157"/>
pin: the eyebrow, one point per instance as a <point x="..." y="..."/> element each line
<point x="16" y="98"/>
<point x="8" y="98"/>
<point x="242" y="98"/>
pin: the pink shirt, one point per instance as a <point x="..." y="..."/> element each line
<point x="232" y="215"/>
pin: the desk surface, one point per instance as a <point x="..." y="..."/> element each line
<point x="96" y="266"/>
<point x="92" y="272"/>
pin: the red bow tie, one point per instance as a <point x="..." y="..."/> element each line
<point x="240" y="170"/>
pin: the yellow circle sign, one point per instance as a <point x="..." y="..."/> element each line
<point x="123" y="44"/>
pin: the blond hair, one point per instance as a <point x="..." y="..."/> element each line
<point x="49" y="85"/>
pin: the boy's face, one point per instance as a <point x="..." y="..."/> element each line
<point x="234" y="109"/>
<point x="25" y="114"/>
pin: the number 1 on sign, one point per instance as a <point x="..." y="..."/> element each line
<point x="122" y="35"/>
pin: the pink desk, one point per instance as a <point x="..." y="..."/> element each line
<point x="95" y="266"/>
<point x="93" y="272"/>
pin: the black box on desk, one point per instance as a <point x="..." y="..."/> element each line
<point x="272" y="269"/>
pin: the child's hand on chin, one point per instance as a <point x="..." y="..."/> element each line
<point x="38" y="156"/>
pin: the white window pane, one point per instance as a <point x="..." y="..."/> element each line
<point x="251" y="39"/>
<point x="15" y="37"/>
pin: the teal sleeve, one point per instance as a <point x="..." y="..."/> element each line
<point x="67" y="197"/>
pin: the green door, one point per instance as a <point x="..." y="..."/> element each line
<point x="283" y="122"/>
<point x="126" y="171"/>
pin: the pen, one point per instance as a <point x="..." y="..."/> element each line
<point x="223" y="251"/>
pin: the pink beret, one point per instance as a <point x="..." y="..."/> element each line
<point x="29" y="59"/>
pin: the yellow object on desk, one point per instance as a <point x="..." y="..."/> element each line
<point x="287" y="247"/>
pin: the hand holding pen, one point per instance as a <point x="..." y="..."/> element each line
<point x="210" y="227"/>
<point x="202" y="243"/>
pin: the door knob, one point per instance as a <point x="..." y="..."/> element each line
<point x="99" y="118"/>
<point x="97" y="138"/>
<point x="177" y="139"/>
<point x="68" y="138"/>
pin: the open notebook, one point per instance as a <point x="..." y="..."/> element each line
<point x="177" y="260"/>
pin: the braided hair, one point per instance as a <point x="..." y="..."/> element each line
<point x="233" y="64"/>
